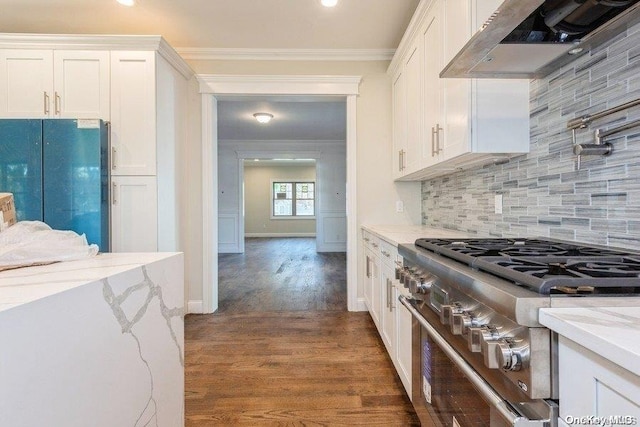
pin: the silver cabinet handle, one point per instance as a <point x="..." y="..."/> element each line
<point x="114" y="186"/>
<point x="433" y="142"/>
<point x="385" y="253"/>
<point x="399" y="160"/>
<point x="438" y="129"/>
<point x="392" y="304"/>
<point x="368" y="268"/>
<point x="46" y="104"/>
<point x="404" y="160"/>
<point x="57" y="103"/>
<point x="375" y="245"/>
<point x="388" y="295"/>
<point x="113" y="158"/>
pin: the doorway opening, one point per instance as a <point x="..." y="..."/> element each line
<point x="282" y="204"/>
<point x="214" y="89"/>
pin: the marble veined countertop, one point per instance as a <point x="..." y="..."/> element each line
<point x="611" y="332"/>
<point x="397" y="234"/>
<point x="24" y="285"/>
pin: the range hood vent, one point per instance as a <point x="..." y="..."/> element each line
<point x="530" y="39"/>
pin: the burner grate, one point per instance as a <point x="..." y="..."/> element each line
<point x="543" y="265"/>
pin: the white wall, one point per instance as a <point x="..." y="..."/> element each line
<point x="377" y="193"/>
<point x="258" y="177"/>
<point x="330" y="180"/>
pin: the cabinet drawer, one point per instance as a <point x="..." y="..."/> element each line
<point x="370" y="241"/>
<point x="388" y="252"/>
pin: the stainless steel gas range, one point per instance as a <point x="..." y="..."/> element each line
<point x="480" y="356"/>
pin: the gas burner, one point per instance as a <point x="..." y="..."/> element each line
<point x="543" y="265"/>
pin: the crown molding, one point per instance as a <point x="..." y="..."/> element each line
<point x="96" y="42"/>
<point x="241" y="54"/>
<point x="279" y="85"/>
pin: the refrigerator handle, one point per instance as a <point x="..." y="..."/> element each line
<point x="46" y="103"/>
<point x="114" y="186"/>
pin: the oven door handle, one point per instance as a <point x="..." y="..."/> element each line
<point x="480" y="384"/>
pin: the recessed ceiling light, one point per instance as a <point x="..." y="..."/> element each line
<point x="575" y="51"/>
<point x="263" y="117"/>
<point x="126" y="2"/>
<point x="329" y="3"/>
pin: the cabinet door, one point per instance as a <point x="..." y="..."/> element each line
<point x="403" y="345"/>
<point x="133" y="113"/>
<point x="389" y="306"/>
<point x="399" y="114"/>
<point x="368" y="289"/>
<point x="376" y="290"/>
<point x="134" y="214"/>
<point x="434" y="134"/>
<point x="414" y="106"/>
<point x="456" y="92"/>
<point x="26" y="83"/>
<point x="81" y="84"/>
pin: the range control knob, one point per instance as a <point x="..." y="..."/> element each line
<point x="490" y="353"/>
<point x="446" y="310"/>
<point x="460" y="322"/>
<point x="399" y="271"/>
<point x="425" y="283"/>
<point x="511" y="356"/>
<point x="474" y="339"/>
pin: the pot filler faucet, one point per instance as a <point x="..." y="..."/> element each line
<point x="600" y="147"/>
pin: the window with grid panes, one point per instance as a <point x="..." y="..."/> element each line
<point x="294" y="199"/>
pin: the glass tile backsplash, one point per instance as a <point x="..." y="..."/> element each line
<point x="543" y="194"/>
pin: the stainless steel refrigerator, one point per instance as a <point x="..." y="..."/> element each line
<point x="57" y="170"/>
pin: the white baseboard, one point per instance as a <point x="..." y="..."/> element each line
<point x="361" y="306"/>
<point x="194" y="307"/>
<point x="279" y="234"/>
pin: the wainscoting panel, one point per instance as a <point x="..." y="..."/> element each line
<point x="228" y="234"/>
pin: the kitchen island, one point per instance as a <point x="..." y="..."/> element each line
<point x="599" y="363"/>
<point x="93" y="342"/>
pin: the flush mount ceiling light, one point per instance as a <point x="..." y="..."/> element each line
<point x="263" y="117"/>
<point x="126" y="2"/>
<point x="329" y="3"/>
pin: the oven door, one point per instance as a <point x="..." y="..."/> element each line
<point x="447" y="391"/>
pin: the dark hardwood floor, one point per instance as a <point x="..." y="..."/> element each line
<point x="282" y="274"/>
<point x="282" y="353"/>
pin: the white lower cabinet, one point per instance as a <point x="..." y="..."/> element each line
<point x="134" y="214"/>
<point x="381" y="291"/>
<point x="592" y="386"/>
<point x="404" y="322"/>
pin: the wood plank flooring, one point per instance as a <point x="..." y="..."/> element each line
<point x="276" y="274"/>
<point x="307" y="363"/>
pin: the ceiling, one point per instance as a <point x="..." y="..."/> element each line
<point x="236" y="24"/>
<point x="294" y="118"/>
<point x="256" y="24"/>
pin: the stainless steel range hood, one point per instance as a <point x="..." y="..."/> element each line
<point x="531" y="38"/>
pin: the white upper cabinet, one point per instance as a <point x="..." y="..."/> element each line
<point x="26" y="83"/>
<point x="81" y="84"/>
<point x="458" y="123"/>
<point x="54" y="84"/>
<point x="431" y="90"/>
<point x="399" y="124"/>
<point x="133" y="113"/>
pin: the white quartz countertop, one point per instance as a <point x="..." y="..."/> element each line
<point x="611" y="332"/>
<point x="24" y="285"/>
<point x="397" y="234"/>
